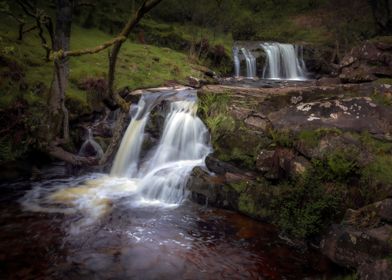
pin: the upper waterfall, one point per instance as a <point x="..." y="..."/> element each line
<point x="250" y="63"/>
<point x="284" y="62"/>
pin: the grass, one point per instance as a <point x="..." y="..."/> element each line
<point x="139" y="66"/>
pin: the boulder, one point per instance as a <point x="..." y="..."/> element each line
<point x="363" y="240"/>
<point x="367" y="63"/>
<point x="378" y="270"/>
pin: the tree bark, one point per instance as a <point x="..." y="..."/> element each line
<point x="382" y="13"/>
<point x="58" y="113"/>
<point x="121" y="125"/>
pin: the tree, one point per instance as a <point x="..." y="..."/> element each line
<point x="58" y="126"/>
<point x="382" y="13"/>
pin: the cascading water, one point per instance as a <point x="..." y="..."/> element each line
<point x="284" y="62"/>
<point x="184" y="145"/>
<point x="90" y="147"/>
<point x="236" y="62"/>
<point x="250" y="63"/>
<point x="126" y="161"/>
<point x="159" y="178"/>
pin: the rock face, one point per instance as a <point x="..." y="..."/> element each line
<point x="363" y="240"/>
<point x="300" y="154"/>
<point x="368" y="62"/>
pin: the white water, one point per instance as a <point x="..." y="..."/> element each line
<point x="90" y="145"/>
<point x="284" y="62"/>
<point x="250" y="63"/>
<point x="236" y="62"/>
<point x="184" y="145"/>
<point x="126" y="160"/>
<point x="159" y="179"/>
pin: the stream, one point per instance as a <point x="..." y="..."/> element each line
<point x="137" y="221"/>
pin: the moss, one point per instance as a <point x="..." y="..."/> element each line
<point x="384" y="99"/>
<point x="341" y="165"/>
<point x="379" y="171"/>
<point x="384" y="81"/>
<point x="247" y="204"/>
<point x="373" y="145"/>
<point x="312" y="138"/>
<point x="282" y="138"/>
<point x="306" y="207"/>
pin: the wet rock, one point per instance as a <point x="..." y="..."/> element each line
<point x="367" y="62"/>
<point x="275" y="164"/>
<point x="220" y="167"/>
<point x="379" y="270"/>
<point x="257" y="121"/>
<point x="208" y="189"/>
<point x="299" y="166"/>
<point x="350" y="247"/>
<point x="327" y="81"/>
<point x="363" y="240"/>
<point x="357" y="114"/>
<point x="281" y="163"/>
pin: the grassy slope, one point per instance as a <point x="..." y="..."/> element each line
<point x="138" y="65"/>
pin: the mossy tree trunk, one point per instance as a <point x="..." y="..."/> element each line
<point x="382" y="13"/>
<point x="58" y="113"/>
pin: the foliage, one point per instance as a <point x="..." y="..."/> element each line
<point x="313" y="137"/>
<point x="214" y="110"/>
<point x="282" y="138"/>
<point x="307" y="206"/>
<point x="379" y="171"/>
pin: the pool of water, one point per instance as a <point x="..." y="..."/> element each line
<point x="142" y="241"/>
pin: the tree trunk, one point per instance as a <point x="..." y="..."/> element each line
<point x="121" y="125"/>
<point x="382" y="13"/>
<point x="58" y="114"/>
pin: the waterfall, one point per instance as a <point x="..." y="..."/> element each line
<point x="284" y="61"/>
<point x="250" y="63"/>
<point x="157" y="178"/>
<point x="183" y="145"/>
<point x="236" y="62"/>
<point x="126" y="160"/>
<point x="90" y="147"/>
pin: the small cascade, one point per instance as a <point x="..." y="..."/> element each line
<point x="90" y="147"/>
<point x="250" y="63"/>
<point x="126" y="161"/>
<point x="284" y="62"/>
<point x="236" y="62"/>
<point x="158" y="178"/>
<point x="183" y="145"/>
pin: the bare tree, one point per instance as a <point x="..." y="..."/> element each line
<point x="58" y="129"/>
<point x="382" y="13"/>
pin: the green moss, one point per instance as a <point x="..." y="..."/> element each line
<point x="248" y="204"/>
<point x="240" y="187"/>
<point x="306" y="207"/>
<point x="341" y="165"/>
<point x="383" y="99"/>
<point x="312" y="138"/>
<point x="282" y="138"/>
<point x="373" y="145"/>
<point x="379" y="171"/>
<point x="384" y="81"/>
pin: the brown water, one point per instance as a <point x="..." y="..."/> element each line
<point x="187" y="242"/>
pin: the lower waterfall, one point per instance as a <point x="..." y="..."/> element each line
<point x="158" y="178"/>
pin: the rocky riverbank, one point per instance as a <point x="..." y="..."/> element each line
<point x="303" y="157"/>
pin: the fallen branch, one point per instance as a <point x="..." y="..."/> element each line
<point x="60" y="153"/>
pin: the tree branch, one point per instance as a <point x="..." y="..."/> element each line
<point x="60" y="153"/>
<point x="144" y="8"/>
